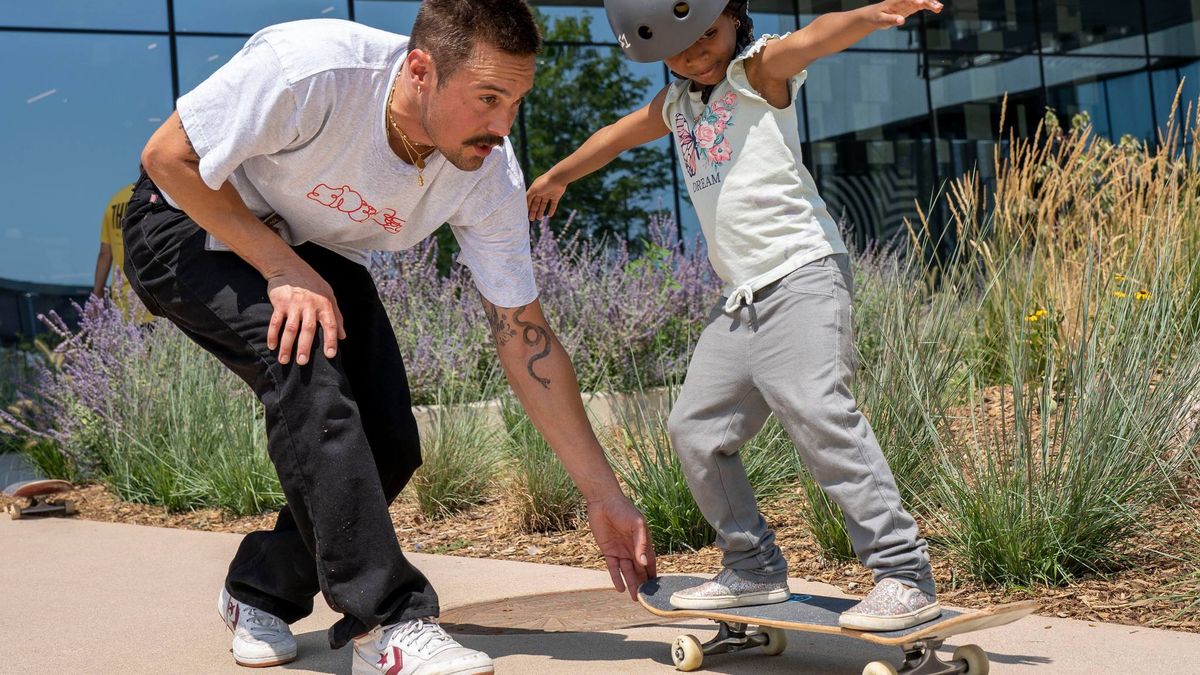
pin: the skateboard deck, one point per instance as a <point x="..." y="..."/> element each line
<point x="819" y="614"/>
<point x="37" y="493"/>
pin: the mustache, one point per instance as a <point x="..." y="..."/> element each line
<point x="484" y="140"/>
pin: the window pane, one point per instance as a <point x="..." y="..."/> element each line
<point x="969" y="90"/>
<point x="200" y="57"/>
<point x="1090" y="27"/>
<point x="579" y="89"/>
<point x="1114" y="92"/>
<point x="871" y="141"/>
<point x="983" y="25"/>
<point x="968" y="97"/>
<point x="1167" y="78"/>
<point x="125" y="15"/>
<point x="907" y="36"/>
<point x="1174" y="27"/>
<point x="74" y="129"/>
<point x="248" y="16"/>
<point x="600" y="31"/>
<point x="390" y="15"/>
<point x="772" y="16"/>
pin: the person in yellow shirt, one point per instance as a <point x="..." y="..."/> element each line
<point x="112" y="249"/>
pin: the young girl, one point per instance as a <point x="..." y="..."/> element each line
<point x="780" y="341"/>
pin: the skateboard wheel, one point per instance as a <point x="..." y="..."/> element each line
<point x="687" y="653"/>
<point x="776" y="641"/>
<point x="69" y="508"/>
<point x="14" y="511"/>
<point x="975" y="658"/>
<point x="879" y="668"/>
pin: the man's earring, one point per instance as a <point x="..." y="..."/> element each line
<point x="737" y="23"/>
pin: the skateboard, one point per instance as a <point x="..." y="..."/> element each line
<point x="819" y="614"/>
<point x="37" y="492"/>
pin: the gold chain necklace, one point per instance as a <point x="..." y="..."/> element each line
<point x="417" y="157"/>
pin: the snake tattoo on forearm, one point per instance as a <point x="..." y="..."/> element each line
<point x="533" y="335"/>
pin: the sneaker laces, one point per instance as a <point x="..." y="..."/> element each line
<point x="268" y="623"/>
<point x="422" y="635"/>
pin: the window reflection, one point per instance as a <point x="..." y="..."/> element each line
<point x="200" y="57"/>
<point x="773" y="17"/>
<point x="599" y="30"/>
<point x="983" y="25"/>
<point x="1104" y="88"/>
<point x="1176" y="78"/>
<point x="970" y="95"/>
<point x="868" y="118"/>
<point x="1174" y="27"/>
<point x="907" y="36"/>
<point x="1089" y="27"/>
<point x="389" y="15"/>
<point x="239" y="16"/>
<point x="125" y="15"/>
<point x="73" y="129"/>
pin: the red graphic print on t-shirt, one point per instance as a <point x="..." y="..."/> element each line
<point x="351" y="203"/>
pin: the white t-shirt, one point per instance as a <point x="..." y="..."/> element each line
<point x="296" y="121"/>
<point x="757" y="203"/>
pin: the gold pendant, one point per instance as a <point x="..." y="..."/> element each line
<point x="420" y="180"/>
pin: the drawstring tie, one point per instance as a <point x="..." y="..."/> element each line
<point x="742" y="295"/>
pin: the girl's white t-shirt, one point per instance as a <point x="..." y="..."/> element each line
<point x="296" y="121"/>
<point x="741" y="160"/>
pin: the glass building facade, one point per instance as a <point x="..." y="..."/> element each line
<point x="885" y="124"/>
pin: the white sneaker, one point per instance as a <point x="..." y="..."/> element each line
<point x="417" y="647"/>
<point x="260" y="639"/>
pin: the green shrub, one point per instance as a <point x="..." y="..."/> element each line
<point x="1051" y="492"/>
<point x="547" y="499"/>
<point x="460" y="459"/>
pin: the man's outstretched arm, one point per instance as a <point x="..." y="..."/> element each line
<point x="543" y="378"/>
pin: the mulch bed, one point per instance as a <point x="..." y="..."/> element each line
<point x="1134" y="596"/>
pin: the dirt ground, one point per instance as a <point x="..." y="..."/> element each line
<point x="1133" y="596"/>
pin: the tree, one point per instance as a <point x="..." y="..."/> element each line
<point x="579" y="88"/>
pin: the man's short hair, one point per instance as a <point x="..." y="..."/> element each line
<point x="449" y="30"/>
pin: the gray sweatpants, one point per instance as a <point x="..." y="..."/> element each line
<point x="790" y="353"/>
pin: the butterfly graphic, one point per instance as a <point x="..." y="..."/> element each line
<point x="687" y="144"/>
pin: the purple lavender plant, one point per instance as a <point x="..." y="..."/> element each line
<point x="71" y="393"/>
<point x="627" y="321"/>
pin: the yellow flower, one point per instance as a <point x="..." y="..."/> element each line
<point x="1141" y="295"/>
<point x="1032" y="318"/>
<point x="1120" y="277"/>
<point x="1041" y="312"/>
<point x="1119" y="294"/>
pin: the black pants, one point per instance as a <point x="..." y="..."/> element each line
<point x="340" y="431"/>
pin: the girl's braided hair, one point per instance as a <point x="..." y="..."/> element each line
<point x="740" y="10"/>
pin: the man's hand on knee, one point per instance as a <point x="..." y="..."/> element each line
<point x="302" y="300"/>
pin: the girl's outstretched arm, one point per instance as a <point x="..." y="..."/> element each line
<point x="831" y="33"/>
<point x="637" y="128"/>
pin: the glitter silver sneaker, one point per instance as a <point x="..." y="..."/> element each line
<point x="891" y="605"/>
<point x="727" y="589"/>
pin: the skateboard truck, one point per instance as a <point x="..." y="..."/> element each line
<point x="920" y="658"/>
<point x="37" y="495"/>
<point x="688" y="653"/>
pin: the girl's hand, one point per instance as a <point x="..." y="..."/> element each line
<point x="891" y="13"/>
<point x="543" y="196"/>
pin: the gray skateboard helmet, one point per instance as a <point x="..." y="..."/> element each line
<point x="654" y="30"/>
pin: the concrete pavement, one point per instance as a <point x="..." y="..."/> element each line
<point x="89" y="597"/>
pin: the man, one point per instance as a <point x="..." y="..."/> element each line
<point x="112" y="250"/>
<point x="319" y="141"/>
